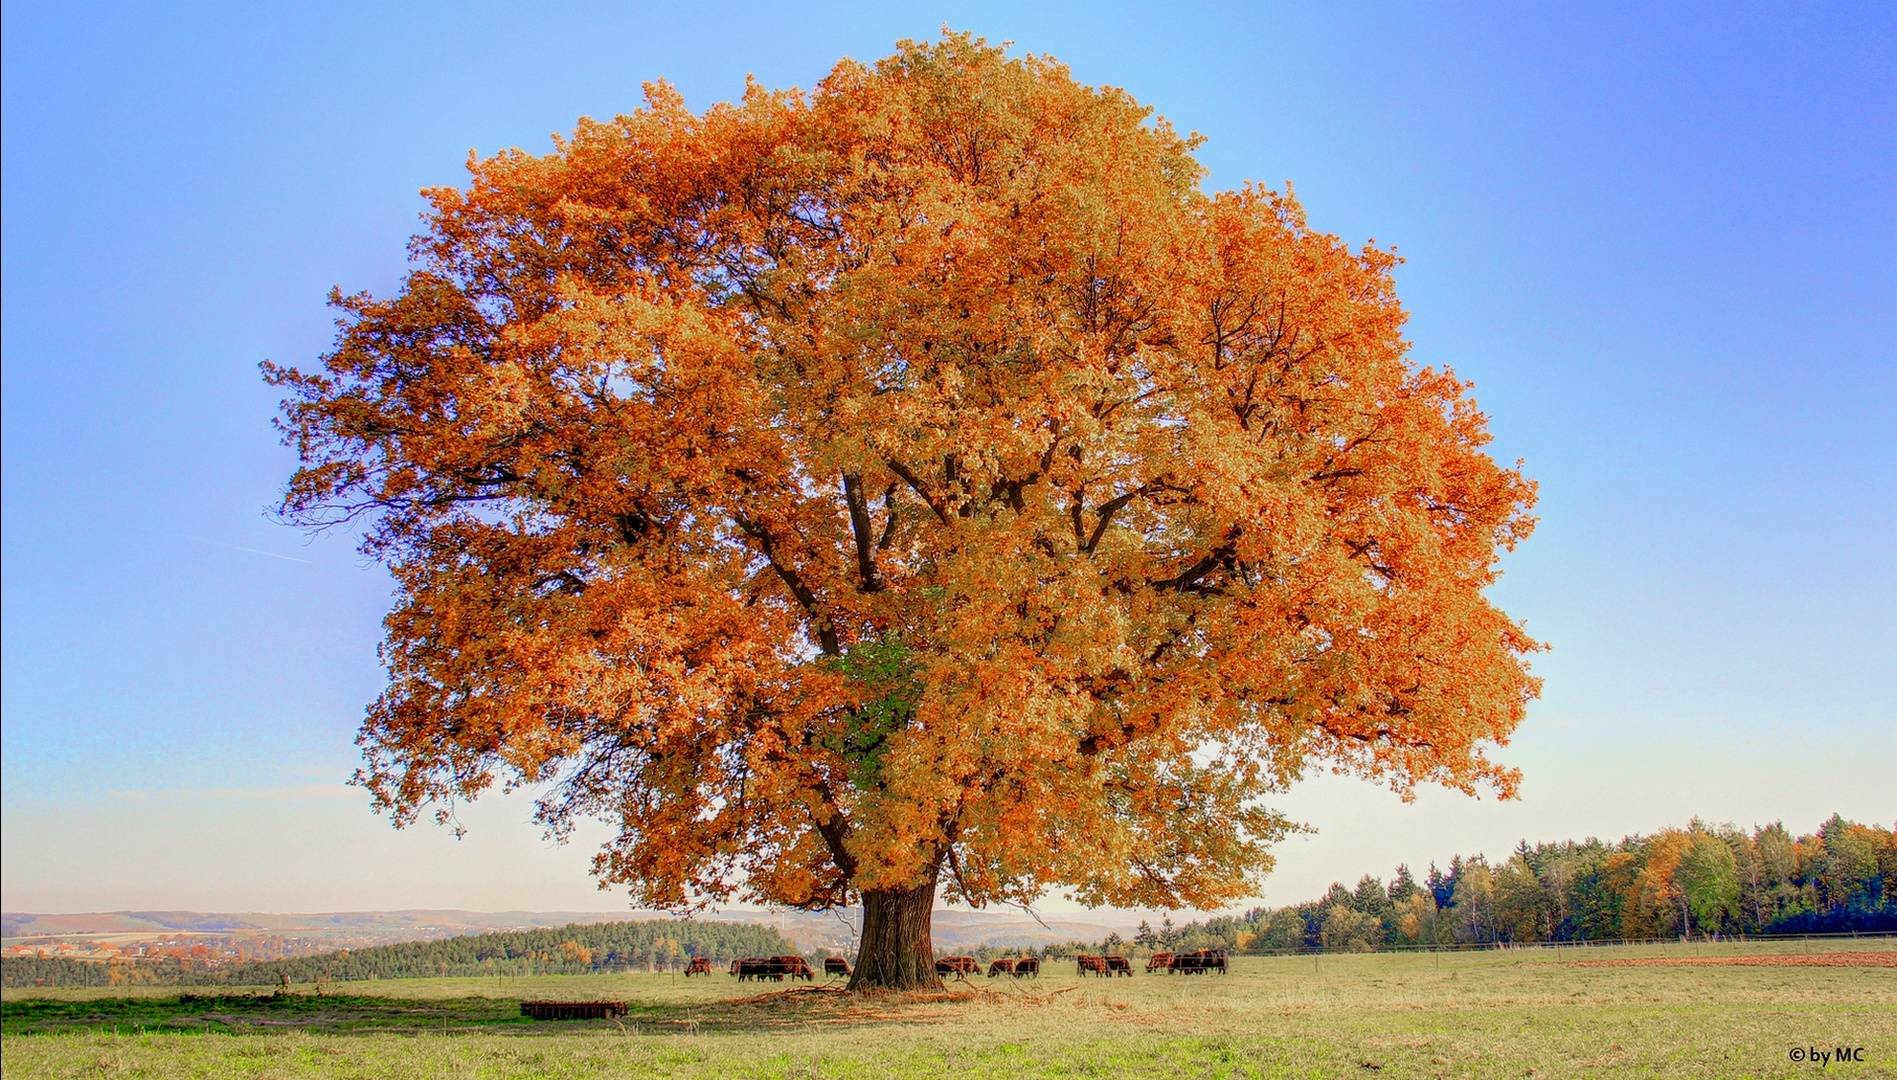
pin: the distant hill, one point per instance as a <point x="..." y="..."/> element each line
<point x="392" y="926"/>
<point x="969" y="929"/>
<point x="953" y="930"/>
<point x="252" y="948"/>
<point x="810" y="931"/>
<point x="620" y="946"/>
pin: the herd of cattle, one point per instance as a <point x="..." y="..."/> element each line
<point x="774" y="968"/>
<point x="1184" y="963"/>
<point x="779" y="968"/>
<point x="1189" y="963"/>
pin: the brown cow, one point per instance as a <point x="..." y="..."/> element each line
<point x="794" y="966"/>
<point x="1027" y="965"/>
<point x="1161" y="961"/>
<point x="774" y="968"/>
<point x="959" y="966"/>
<point x="835" y="965"/>
<point x="1200" y="962"/>
<point x="1119" y="965"/>
<point x="1003" y="966"/>
<point x="1091" y="965"/>
<point x="700" y="965"/>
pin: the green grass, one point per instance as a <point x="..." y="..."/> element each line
<point x="1488" y="1015"/>
<point x="260" y="1013"/>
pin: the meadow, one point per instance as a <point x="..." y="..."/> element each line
<point x="1732" y="1010"/>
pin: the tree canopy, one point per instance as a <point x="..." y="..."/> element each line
<point x="920" y="478"/>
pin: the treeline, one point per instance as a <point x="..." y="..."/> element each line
<point x="657" y="945"/>
<point x="63" y="971"/>
<point x="1700" y="881"/>
<point x="31" y="970"/>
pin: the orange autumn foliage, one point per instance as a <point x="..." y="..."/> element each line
<point x="919" y="475"/>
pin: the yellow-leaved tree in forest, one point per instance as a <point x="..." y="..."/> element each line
<point x="915" y="487"/>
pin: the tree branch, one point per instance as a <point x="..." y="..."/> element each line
<point x="915" y="483"/>
<point x="860" y="529"/>
<point x="826" y="634"/>
<point x="1107" y="510"/>
<point x="835" y="831"/>
<point x="889" y="519"/>
<point x="1188" y="577"/>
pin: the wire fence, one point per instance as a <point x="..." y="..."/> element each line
<point x="1881" y="940"/>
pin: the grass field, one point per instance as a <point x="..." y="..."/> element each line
<point x="1523" y="1013"/>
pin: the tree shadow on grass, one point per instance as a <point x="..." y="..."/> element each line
<point x="240" y="1013"/>
<point x="805" y="1008"/>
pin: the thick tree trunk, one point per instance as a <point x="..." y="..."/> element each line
<point x="897" y="951"/>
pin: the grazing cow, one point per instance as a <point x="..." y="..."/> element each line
<point x="774" y="968"/>
<point x="836" y="965"/>
<point x="1003" y="966"/>
<point x="959" y="966"/>
<point x="1119" y="965"/>
<point x="1091" y="965"/>
<point x="1161" y="961"/>
<point x="794" y="966"/>
<point x="700" y="965"/>
<point x="1200" y="962"/>
<point x="1027" y="965"/>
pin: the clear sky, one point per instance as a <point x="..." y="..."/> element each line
<point x="1658" y="237"/>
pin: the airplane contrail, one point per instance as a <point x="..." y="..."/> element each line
<point x="253" y="551"/>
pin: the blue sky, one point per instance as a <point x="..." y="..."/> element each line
<point x="1657" y="237"/>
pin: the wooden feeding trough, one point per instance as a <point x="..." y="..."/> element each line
<point x="573" y="1010"/>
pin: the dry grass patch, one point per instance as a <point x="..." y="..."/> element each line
<point x="1828" y="959"/>
<point x="1488" y="1016"/>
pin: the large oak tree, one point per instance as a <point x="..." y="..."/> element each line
<point x="915" y="487"/>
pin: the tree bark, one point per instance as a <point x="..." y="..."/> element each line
<point x="897" y="952"/>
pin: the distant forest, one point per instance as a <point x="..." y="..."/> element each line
<point x="1699" y="881"/>
<point x="655" y="945"/>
